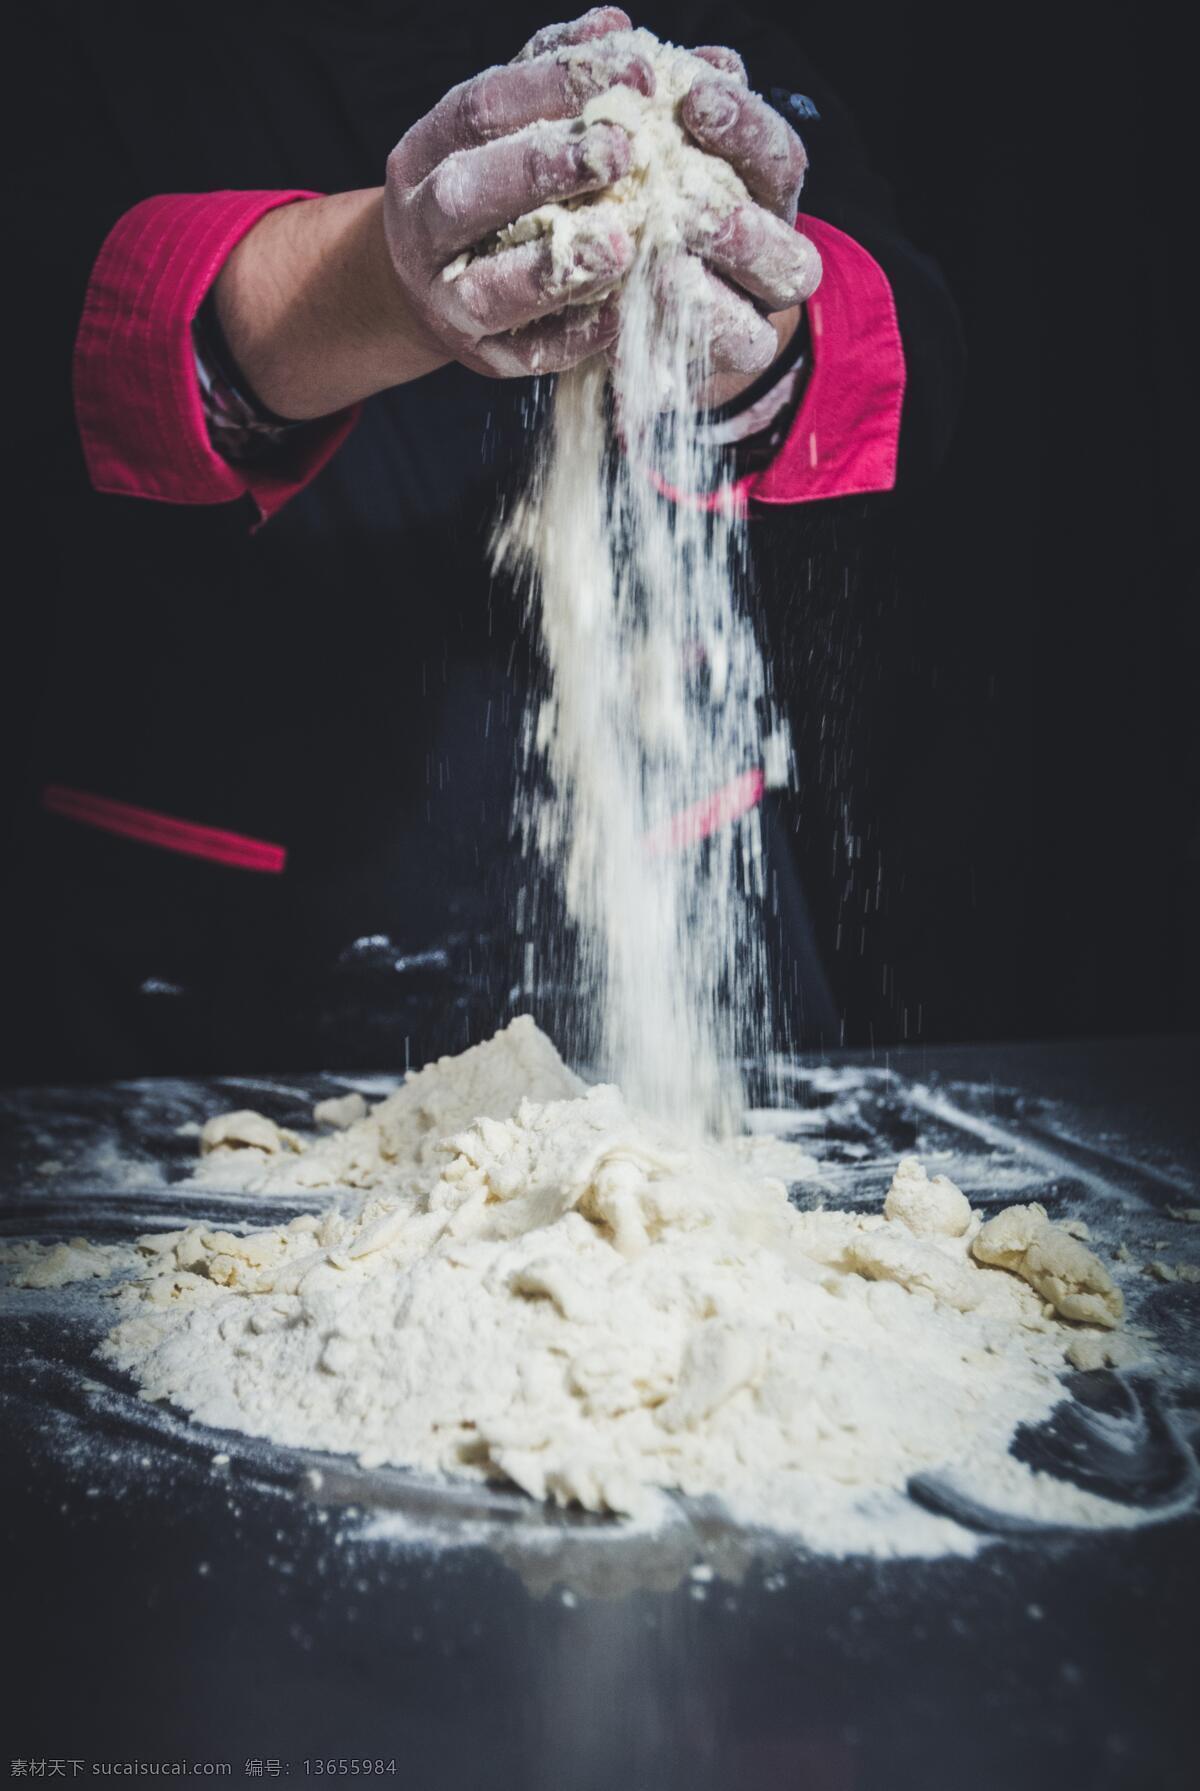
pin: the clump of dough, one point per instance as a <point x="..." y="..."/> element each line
<point x="1067" y="1275"/>
<point x="58" y="1265"/>
<point x="1168" y="1271"/>
<point x="890" y="1256"/>
<point x="340" y="1111"/>
<point x="930" y="1206"/>
<point x="246" y="1130"/>
<point x="1109" y="1349"/>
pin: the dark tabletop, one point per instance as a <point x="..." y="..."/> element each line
<point x="274" y="1609"/>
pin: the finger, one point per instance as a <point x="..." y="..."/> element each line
<point x="505" y="292"/>
<point x="727" y="61"/>
<point x="599" y="22"/>
<point x="503" y="100"/>
<point x="480" y="190"/>
<point x="723" y="332"/>
<point x="752" y="137"/>
<point x="551" y="345"/>
<point x="760" y="253"/>
<point x="738" y="338"/>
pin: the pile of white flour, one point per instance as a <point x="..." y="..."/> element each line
<point x="535" y="1285"/>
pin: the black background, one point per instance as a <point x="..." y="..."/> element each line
<point x="1028" y="687"/>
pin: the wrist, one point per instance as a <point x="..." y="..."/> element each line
<point x="312" y="311"/>
<point x="406" y="347"/>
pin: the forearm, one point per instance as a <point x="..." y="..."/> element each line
<point x="312" y="311"/>
<point x="138" y="402"/>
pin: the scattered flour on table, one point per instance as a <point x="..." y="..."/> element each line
<point x="524" y="1281"/>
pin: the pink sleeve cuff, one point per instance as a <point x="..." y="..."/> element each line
<point x="137" y="399"/>
<point x="846" y="432"/>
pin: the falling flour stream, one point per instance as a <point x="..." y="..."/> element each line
<point x="647" y="740"/>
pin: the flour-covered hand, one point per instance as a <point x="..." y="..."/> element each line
<point x="758" y="261"/>
<point x="495" y="148"/>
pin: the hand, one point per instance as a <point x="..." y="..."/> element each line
<point x="756" y="261"/>
<point x="325" y="302"/>
<point x="463" y="172"/>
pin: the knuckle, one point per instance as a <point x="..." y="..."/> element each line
<point x="812" y="270"/>
<point x="447" y="198"/>
<point x="476" y="296"/>
<point x="603" y="153"/>
<point x="711" y="107"/>
<point x="791" y="162"/>
<point x="540" y="161"/>
<point x="798" y="162"/>
<point x="744" y="350"/>
<point x="494" y="358"/>
<point x="592" y="24"/>
<point x="586" y="75"/>
<point x="636" y="71"/>
<point x="749" y="234"/>
<point x="404" y="172"/>
<point x="727" y="60"/>
<point x="473" y="308"/>
<point x="737" y="239"/>
<point x="595" y="259"/>
<point x="582" y="80"/>
<point x="477" y="109"/>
